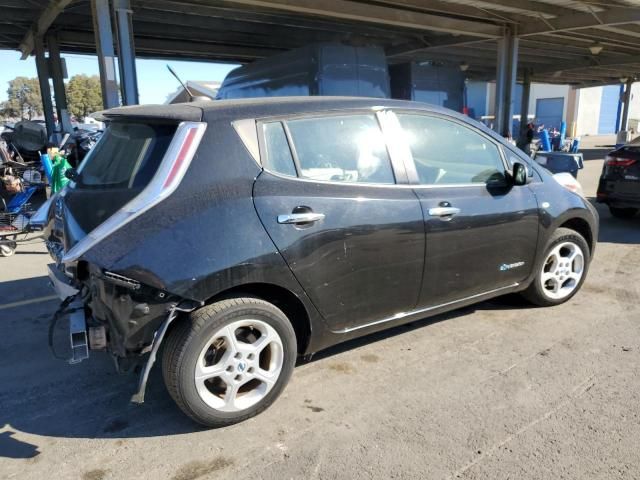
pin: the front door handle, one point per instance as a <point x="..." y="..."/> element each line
<point x="444" y="211"/>
<point x="295" y="218"/>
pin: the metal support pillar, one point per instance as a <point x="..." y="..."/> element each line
<point x="524" y="105"/>
<point x="624" y="123"/>
<point x="58" y="74"/>
<point x="126" y="52"/>
<point x="619" y="110"/>
<point x="106" y="56"/>
<point x="505" y="81"/>
<point x="45" y="90"/>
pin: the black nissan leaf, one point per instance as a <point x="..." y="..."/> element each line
<point x="240" y="235"/>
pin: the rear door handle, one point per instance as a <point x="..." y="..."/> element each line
<point x="444" y="211"/>
<point x="294" y="218"/>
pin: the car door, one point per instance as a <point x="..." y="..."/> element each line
<point x="329" y="201"/>
<point x="481" y="231"/>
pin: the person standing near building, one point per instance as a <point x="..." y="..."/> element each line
<point x="527" y="140"/>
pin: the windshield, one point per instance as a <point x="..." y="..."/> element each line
<point x="126" y="157"/>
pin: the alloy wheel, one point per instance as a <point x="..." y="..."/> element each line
<point x="562" y="270"/>
<point x="239" y="365"/>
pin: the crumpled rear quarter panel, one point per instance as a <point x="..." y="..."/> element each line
<point x="206" y="236"/>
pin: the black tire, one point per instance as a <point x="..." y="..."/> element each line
<point x="624" y="213"/>
<point x="190" y="336"/>
<point x="535" y="293"/>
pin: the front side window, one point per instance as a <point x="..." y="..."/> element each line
<point x="347" y="148"/>
<point x="447" y="153"/>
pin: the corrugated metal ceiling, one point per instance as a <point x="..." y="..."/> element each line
<point x="555" y="34"/>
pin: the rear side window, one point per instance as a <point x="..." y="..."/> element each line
<point x="278" y="154"/>
<point x="126" y="157"/>
<point x="447" y="153"/>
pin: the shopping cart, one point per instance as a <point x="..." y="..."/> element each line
<point x="14" y="221"/>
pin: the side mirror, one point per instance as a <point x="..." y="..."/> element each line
<point x="520" y="175"/>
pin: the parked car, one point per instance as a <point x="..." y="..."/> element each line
<point x="243" y="234"/>
<point x="619" y="186"/>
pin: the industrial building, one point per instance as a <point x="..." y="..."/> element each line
<point x="587" y="111"/>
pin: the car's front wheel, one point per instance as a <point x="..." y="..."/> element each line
<point x="623" y="212"/>
<point x="562" y="271"/>
<point x="229" y="360"/>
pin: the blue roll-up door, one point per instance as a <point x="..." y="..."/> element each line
<point x="609" y="109"/>
<point x="549" y="112"/>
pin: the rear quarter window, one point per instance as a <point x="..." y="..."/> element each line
<point x="278" y="154"/>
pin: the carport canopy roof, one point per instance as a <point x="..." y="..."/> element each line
<point x="555" y="35"/>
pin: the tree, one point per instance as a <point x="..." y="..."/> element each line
<point x="84" y="95"/>
<point x="24" y="98"/>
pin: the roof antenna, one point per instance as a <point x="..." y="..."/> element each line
<point x="192" y="97"/>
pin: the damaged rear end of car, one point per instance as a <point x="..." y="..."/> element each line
<point x="140" y="162"/>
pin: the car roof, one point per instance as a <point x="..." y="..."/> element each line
<point x="261" y="107"/>
<point x="266" y="106"/>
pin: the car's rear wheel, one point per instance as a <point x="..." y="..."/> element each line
<point x="562" y="271"/>
<point x="229" y="361"/>
<point x="623" y="212"/>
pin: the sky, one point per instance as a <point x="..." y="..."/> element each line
<point x="155" y="82"/>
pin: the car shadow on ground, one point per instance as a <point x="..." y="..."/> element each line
<point x="597" y="153"/>
<point x="42" y="395"/>
<point x="91" y="400"/>
<point x="11" y="447"/>
<point x="23" y="289"/>
<point x="505" y="302"/>
<point x="616" y="230"/>
<point x="90" y="406"/>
